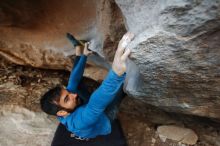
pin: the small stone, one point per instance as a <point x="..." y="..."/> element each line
<point x="183" y="135"/>
<point x="153" y="140"/>
<point x="129" y="134"/>
<point x="163" y="138"/>
<point x="11" y="77"/>
<point x="181" y="144"/>
<point x="33" y="84"/>
<point x="147" y="129"/>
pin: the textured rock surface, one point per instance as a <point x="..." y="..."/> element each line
<point x="34" y="32"/>
<point x="19" y="126"/>
<point x="177" y="54"/>
<point x="183" y="135"/>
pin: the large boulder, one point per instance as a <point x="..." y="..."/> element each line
<point x="176" y="54"/>
<point x="21" y="126"/>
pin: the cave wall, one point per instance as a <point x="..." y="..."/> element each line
<point x="34" y="32"/>
<point x="175" y="60"/>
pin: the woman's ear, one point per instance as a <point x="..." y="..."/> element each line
<point x="62" y="113"/>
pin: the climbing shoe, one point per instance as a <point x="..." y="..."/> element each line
<point x="74" y="41"/>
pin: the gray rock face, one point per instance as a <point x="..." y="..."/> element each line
<point x="19" y="126"/>
<point x="177" y="54"/>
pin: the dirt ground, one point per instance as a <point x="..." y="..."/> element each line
<point x="23" y="86"/>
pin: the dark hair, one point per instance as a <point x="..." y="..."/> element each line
<point x="47" y="101"/>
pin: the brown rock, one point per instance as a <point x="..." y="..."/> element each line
<point x="34" y="32"/>
<point x="183" y="135"/>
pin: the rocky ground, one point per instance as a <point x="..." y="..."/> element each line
<point x="22" y="86"/>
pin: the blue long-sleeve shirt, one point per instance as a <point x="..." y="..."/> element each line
<point x="89" y="120"/>
<point x="76" y="73"/>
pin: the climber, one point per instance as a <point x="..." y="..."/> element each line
<point x="87" y="118"/>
